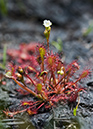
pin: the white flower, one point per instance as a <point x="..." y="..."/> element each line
<point x="47" y="23"/>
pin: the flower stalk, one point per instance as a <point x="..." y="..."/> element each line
<point x="47" y="25"/>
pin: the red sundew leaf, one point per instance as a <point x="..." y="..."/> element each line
<point x="39" y="87"/>
<point x="28" y="81"/>
<point x="26" y="103"/>
<point x="59" y="65"/>
<point x="21" y="91"/>
<point x="28" y="61"/>
<point x="13" y="53"/>
<point x="8" y="113"/>
<point x="19" y="60"/>
<point x="31" y="69"/>
<point x="81" y="89"/>
<point x="31" y="47"/>
<point x="24" y="56"/>
<point x="85" y="73"/>
<point x="33" y="61"/>
<point x="73" y="97"/>
<point x="47" y="106"/>
<point x="73" y="66"/>
<point x="31" y="112"/>
<point x="22" y="46"/>
<point x="42" y="52"/>
<point x="51" y="61"/>
<point x="11" y="114"/>
<point x="55" y="100"/>
<point x="25" y="65"/>
<point x="74" y="94"/>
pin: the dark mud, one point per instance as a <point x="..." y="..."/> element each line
<point x="24" y="24"/>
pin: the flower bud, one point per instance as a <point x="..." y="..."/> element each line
<point x="20" y="70"/>
<point x="61" y="71"/>
<point x="46" y="34"/>
<point x="19" y="77"/>
<point x="8" y="74"/>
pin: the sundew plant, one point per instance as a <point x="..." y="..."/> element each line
<point x="50" y="81"/>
